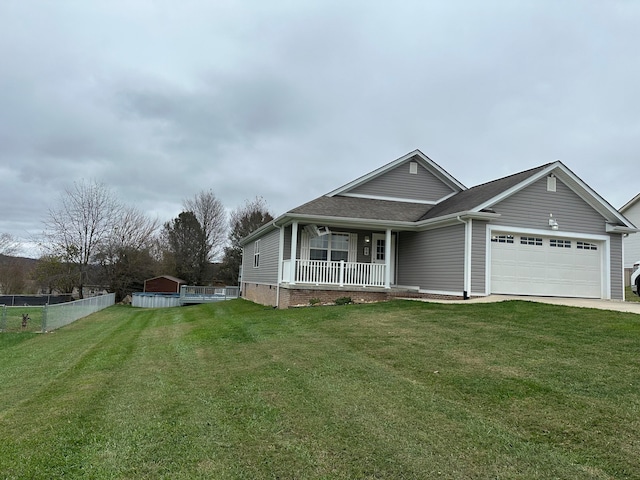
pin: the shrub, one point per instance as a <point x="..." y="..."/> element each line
<point x="343" y="301"/>
<point x="314" y="301"/>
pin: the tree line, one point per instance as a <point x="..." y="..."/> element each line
<point x="92" y="237"/>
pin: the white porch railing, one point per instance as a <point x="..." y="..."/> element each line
<point x="318" y="272"/>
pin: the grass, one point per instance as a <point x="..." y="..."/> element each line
<point x="14" y="319"/>
<point x="630" y="296"/>
<point x="396" y="390"/>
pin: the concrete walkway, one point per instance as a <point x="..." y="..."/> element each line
<point x="615" y="305"/>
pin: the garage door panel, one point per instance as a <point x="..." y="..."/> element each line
<point x="548" y="266"/>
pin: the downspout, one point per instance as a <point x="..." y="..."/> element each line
<point x="467" y="257"/>
<point x="280" y="260"/>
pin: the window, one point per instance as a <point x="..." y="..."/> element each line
<point x="333" y="247"/>
<point x="560" y="243"/>
<point x="586" y="246"/>
<point x="502" y="238"/>
<point x="256" y="254"/>
<point x="380" y="248"/>
<point x="530" y="241"/>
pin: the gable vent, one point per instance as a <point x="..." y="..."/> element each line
<point x="413" y="168"/>
<point x="551" y="183"/>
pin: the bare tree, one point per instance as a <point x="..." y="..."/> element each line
<point x="83" y="220"/>
<point x="212" y="217"/>
<point x="244" y="220"/>
<point x="125" y="254"/>
<point x="8" y="245"/>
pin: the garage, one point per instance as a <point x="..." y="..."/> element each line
<point x="525" y="264"/>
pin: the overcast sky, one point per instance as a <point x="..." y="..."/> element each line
<point x="290" y="100"/>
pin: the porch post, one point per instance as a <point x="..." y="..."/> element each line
<point x="294" y="247"/>
<point x="387" y="259"/>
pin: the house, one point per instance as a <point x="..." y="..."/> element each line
<point x="163" y="284"/>
<point x="410" y="228"/>
<point x="631" y="210"/>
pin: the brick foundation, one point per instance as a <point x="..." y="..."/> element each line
<point x="301" y="296"/>
<point x="258" y="293"/>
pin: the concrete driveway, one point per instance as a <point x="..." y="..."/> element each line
<point x="615" y="305"/>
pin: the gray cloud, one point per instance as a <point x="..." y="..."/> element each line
<point x="290" y="100"/>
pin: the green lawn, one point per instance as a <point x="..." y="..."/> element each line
<point x="630" y="296"/>
<point x="396" y="390"/>
<point x="13" y="320"/>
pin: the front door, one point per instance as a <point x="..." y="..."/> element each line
<point x="378" y="249"/>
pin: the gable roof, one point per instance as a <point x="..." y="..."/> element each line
<point x="168" y="277"/>
<point x="417" y="156"/>
<point x="475" y="202"/>
<point x="483" y="197"/>
<point x="629" y="204"/>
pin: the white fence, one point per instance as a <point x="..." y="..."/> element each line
<point x="318" y="272"/>
<point x="56" y="316"/>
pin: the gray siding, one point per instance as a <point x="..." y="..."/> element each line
<point x="478" y="257"/>
<point x="267" y="272"/>
<point x="433" y="260"/>
<point x="530" y="208"/>
<point x="617" y="287"/>
<point x="399" y="183"/>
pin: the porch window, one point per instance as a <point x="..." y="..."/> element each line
<point x="334" y="247"/>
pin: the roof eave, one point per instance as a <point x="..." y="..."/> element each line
<point x="620" y="229"/>
<point x="288" y="218"/>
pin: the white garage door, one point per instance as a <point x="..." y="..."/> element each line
<point x="545" y="266"/>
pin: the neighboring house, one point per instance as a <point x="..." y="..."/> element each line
<point x="411" y="229"/>
<point x="631" y="210"/>
<point x="163" y="284"/>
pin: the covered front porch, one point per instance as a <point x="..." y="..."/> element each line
<point x="336" y="255"/>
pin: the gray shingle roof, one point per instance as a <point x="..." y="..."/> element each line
<point x="471" y="198"/>
<point x="365" y="208"/>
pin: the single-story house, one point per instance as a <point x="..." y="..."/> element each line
<point x="163" y="284"/>
<point x="410" y="228"/>
<point x="631" y="210"/>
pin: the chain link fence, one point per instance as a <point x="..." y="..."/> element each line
<point x="51" y="317"/>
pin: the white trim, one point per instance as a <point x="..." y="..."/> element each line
<point x="398" y="199"/>
<point x="256" y="253"/>
<point x="605" y="251"/>
<point x="387" y="259"/>
<point x="468" y="247"/>
<point x="280" y="263"/>
<point x="391" y="199"/>
<point x="294" y="247"/>
<point x="629" y="204"/>
<point x="440" y="292"/>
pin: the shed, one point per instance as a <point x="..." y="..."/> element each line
<point x="163" y="284"/>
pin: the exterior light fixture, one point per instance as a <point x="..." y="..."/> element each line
<point x="553" y="223"/>
<point x="367" y="239"/>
